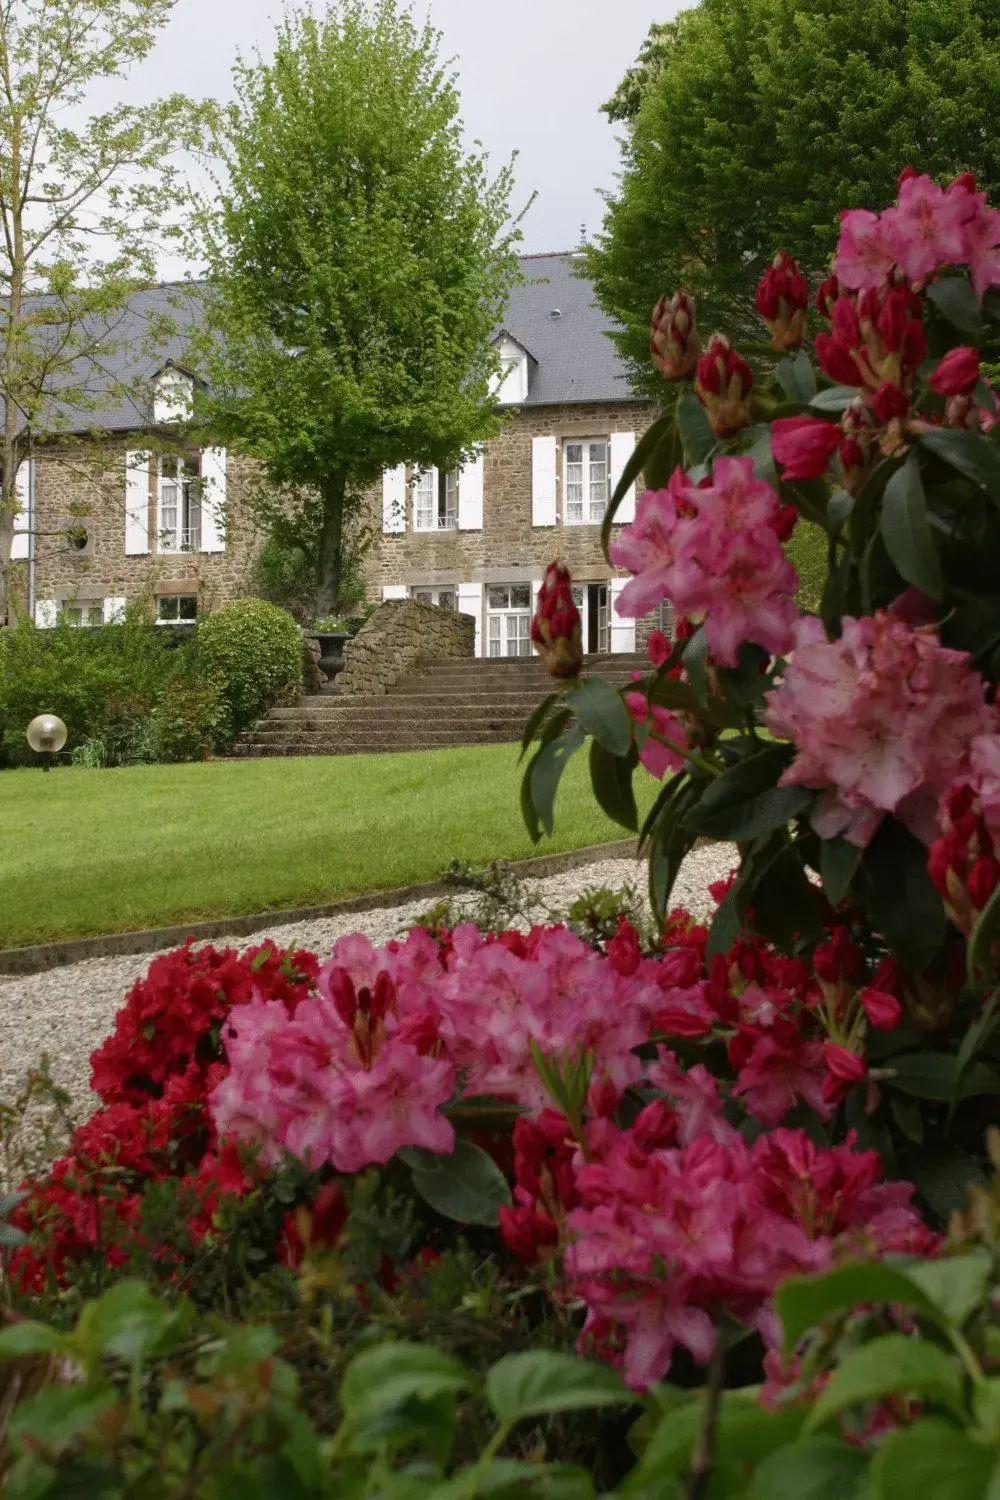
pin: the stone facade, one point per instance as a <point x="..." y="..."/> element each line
<point x="81" y="490"/>
<point x="400" y="635"/>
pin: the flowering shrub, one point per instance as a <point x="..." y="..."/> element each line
<point x="851" y="755"/>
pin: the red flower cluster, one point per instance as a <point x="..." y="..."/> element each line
<point x="783" y="302"/>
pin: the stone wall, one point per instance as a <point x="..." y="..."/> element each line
<point x="84" y="486"/>
<point x="508" y="548"/>
<point x="400" y="634"/>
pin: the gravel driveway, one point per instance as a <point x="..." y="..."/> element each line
<point x="67" y="1012"/>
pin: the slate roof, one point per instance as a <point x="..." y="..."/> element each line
<point x="573" y="360"/>
<point x="576" y="361"/>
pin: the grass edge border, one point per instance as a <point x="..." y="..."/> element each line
<point x="39" y="957"/>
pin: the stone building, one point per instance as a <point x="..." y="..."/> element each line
<point x="147" y="513"/>
<point x="479" y="540"/>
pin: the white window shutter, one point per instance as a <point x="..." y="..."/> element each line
<point x="394" y="500"/>
<point x="21" y="545"/>
<point x="470" y="496"/>
<point x="214" y="495"/>
<point x="622" y="630"/>
<point x="622" y="448"/>
<point x="543" y="481"/>
<point x="470" y="602"/>
<point x="46" y="613"/>
<point x="395" y="591"/>
<point x="114" y="611"/>
<point x="136" y="503"/>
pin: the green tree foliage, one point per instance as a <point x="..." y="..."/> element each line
<point x="83" y="208"/>
<point x="362" y="260"/>
<point x="751" y="123"/>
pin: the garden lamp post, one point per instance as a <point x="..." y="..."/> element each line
<point x="46" y="736"/>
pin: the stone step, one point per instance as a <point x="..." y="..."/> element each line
<point x="419" y="706"/>
<point x="274" y="733"/>
<point x="367" y="746"/>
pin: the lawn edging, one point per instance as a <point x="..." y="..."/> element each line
<point x="56" y="955"/>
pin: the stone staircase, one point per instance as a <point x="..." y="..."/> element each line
<point x="443" y="703"/>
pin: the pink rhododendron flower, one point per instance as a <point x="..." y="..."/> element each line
<point x="981" y="227"/>
<point x="783" y="1069"/>
<point x="656" y="756"/>
<point x="926" y="228"/>
<point x="865" y="255"/>
<point x="715" y="551"/>
<point x="881" y="721"/>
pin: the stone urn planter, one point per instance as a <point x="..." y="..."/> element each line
<point x="331" y="645"/>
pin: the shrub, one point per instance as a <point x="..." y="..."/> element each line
<point x="254" y="650"/>
<point x="102" y="683"/>
<point x="189" y="719"/>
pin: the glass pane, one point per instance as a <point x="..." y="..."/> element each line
<point x="446" y="599"/>
<point x="167" y="609"/>
<point x="188" y="608"/>
<point x="494" y="623"/>
<point x="423" y="596"/>
<point x="578" y="595"/>
<point x="448" y="514"/>
<point x="574" y="453"/>
<point x="95" y="614"/>
<point x="498" y="596"/>
<point x="520" y="596"/>
<point x="424" y="502"/>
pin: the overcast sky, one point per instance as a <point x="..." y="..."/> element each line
<point x="533" y="75"/>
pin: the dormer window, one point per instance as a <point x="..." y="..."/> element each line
<point x="512" y="382"/>
<point x="173" y="394"/>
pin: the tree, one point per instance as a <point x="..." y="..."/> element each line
<point x="360" y="262"/>
<point x="83" y="210"/>
<point x="751" y="123"/>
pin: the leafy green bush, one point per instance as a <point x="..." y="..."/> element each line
<point x="254" y="651"/>
<point x="102" y="683"/>
<point x="189" y="719"/>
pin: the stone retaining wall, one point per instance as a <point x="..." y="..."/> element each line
<point x="400" y="634"/>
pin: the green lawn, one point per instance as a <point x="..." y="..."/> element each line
<point x="85" y="852"/>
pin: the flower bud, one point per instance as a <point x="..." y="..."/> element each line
<point x="724" y="382"/>
<point x="884" y="1011"/>
<point x="845" y="1069"/>
<point x="783" y="302"/>
<point x="957" y="374"/>
<point x="826" y="297"/>
<point x="556" y="632"/>
<point x="673" y="336"/>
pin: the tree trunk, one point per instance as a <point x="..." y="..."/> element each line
<point x="331" y="546"/>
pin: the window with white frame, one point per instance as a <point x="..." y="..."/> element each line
<point x="82" y="612"/>
<point x="178" y="497"/>
<point x="586" y="480"/>
<point x="435" y="500"/>
<point x="508" y="619"/>
<point x="444" y="598"/>
<point x="176" y="609"/>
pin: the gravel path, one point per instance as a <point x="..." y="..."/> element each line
<point x="67" y="1012"/>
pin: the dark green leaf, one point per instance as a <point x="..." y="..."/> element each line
<point x="839" y="861"/>
<point x="973" y="1042"/>
<point x="834" y="398"/>
<point x="895" y="1365"/>
<point x="127" y="1321"/>
<point x="546" y="772"/>
<point x="600" y="711"/>
<point x="906" y="530"/>
<point x="58" y="1415"/>
<point x="652" y="438"/>
<point x="537" y="719"/>
<point x="745" y="1435"/>
<point x="957" y="1286"/>
<point x="725" y="928"/>
<point x="970" y="453"/>
<point x="467" y="1186"/>
<point x="985" y="936"/>
<point x="956" y="300"/>
<point x="746" y="779"/>
<point x="806" y="1302"/>
<point x="664" y="797"/>
<point x="670" y="845"/>
<point x="797" y="378"/>
<point x="943" y="1176"/>
<point x="901" y="899"/>
<point x="754" y="818"/>
<point x="906" y="1113"/>
<point x="696" y="433"/>
<point x="822" y="1468"/>
<point x="932" y="1460"/>
<point x="30" y="1338"/>
<point x="695" y="661"/>
<point x="838" y="512"/>
<point x="933" y="1075"/>
<point x="611" y="778"/>
<point x="542" y="1380"/>
<point x="395" y="1372"/>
